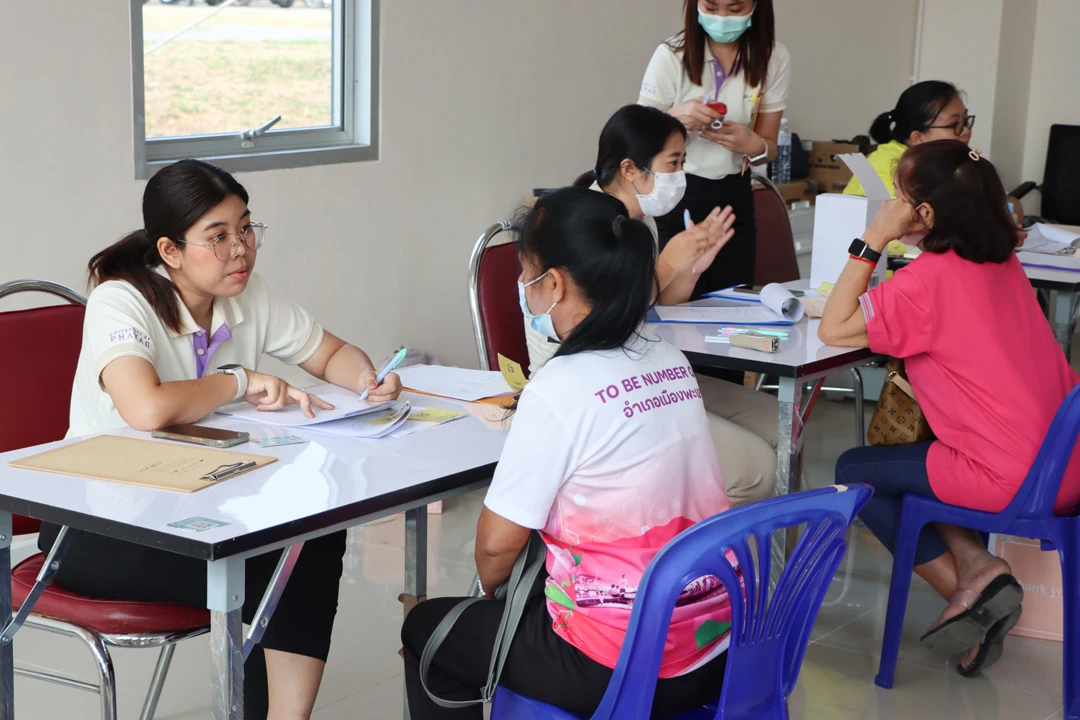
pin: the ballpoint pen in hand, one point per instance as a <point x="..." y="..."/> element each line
<point x="394" y="362"/>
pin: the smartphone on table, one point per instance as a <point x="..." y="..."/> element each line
<point x="201" y="435"/>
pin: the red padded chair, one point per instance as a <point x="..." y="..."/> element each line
<point x="777" y="263"/>
<point x="49" y="340"/>
<point x="493" y="297"/>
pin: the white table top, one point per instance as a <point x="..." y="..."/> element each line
<point x="327" y="481"/>
<point x="802" y="354"/>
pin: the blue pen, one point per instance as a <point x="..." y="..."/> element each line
<point x="686" y="219"/>
<point x="386" y="370"/>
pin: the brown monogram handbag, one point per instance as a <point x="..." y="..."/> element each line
<point x="898" y="419"/>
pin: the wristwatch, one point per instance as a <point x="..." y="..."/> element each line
<point x="860" y="249"/>
<point x="764" y="153"/>
<point x="238" y="372"/>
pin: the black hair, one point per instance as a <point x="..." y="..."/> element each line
<point x="755" y="46"/>
<point x="174" y="199"/>
<point x="968" y="199"/>
<point x="914" y="112"/>
<point x="611" y="259"/>
<point x="638" y="132"/>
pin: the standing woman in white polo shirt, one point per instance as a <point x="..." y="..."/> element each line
<point x="175" y="328"/>
<point x="728" y="51"/>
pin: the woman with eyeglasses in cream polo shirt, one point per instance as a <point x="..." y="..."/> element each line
<point x="174" y="329"/>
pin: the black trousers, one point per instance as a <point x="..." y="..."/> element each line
<point x="541" y="665"/>
<point x="734" y="264"/>
<point x="101" y="567"/>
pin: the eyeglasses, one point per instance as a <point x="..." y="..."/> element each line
<point x="226" y="245"/>
<point x="958" y="127"/>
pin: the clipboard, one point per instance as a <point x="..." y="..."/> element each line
<point x="162" y="465"/>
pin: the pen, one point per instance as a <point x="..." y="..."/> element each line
<point x="387" y="370"/>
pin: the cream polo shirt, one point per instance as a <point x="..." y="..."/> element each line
<point x="120" y="322"/>
<point x="665" y="85"/>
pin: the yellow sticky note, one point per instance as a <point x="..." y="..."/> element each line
<point x="436" y="415"/>
<point x="825" y="289"/>
<point x="897" y="248"/>
<point x="384" y="419"/>
<point x="512" y="374"/>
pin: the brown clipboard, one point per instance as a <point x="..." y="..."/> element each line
<point x="150" y="463"/>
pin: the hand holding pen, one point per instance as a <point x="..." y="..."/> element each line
<point x="386" y="385"/>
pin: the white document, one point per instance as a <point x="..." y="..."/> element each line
<point x="346" y="404"/>
<point x="743" y="314"/>
<point x="876" y="192"/>
<point x="372" y="425"/>
<point x="1057" y="262"/>
<point x="454" y="383"/>
<point x="774" y="296"/>
<point x="1052" y="239"/>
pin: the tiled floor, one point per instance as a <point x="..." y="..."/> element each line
<point x="363" y="677"/>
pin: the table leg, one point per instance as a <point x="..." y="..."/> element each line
<point x="1065" y="307"/>
<point x="272" y="596"/>
<point x="225" y="598"/>
<point x="7" y="654"/>
<point x="787" y="450"/>
<point x="415" y="557"/>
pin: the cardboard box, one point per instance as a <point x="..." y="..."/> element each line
<point x="797" y="191"/>
<point x="827" y="171"/>
<point x="1040" y="574"/>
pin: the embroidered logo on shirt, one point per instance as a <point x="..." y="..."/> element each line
<point x="648" y="89"/>
<point x="130" y="334"/>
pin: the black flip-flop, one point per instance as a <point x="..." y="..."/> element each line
<point x="960" y="633"/>
<point x="992" y="647"/>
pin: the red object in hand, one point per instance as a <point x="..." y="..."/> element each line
<point x="719" y="107"/>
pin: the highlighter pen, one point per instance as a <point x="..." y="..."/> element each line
<point x="386" y="370"/>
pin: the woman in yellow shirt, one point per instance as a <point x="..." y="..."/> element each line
<point x="929" y="110"/>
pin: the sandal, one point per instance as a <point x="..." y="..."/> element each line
<point x="992" y="647"/>
<point x="960" y="633"/>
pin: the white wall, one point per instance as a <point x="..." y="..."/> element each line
<point x="1017" y="44"/>
<point x="851" y="59"/>
<point x="960" y="44"/>
<point x="1053" y="97"/>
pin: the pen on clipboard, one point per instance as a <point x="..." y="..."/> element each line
<point x="227" y="471"/>
<point x="386" y="370"/>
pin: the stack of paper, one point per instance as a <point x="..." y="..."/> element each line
<point x="346" y="404"/>
<point x="1052" y="262"/>
<point x="1052" y="240"/>
<point x="370" y="425"/>
<point x="720" y="312"/>
<point x="774" y="296"/>
<point x="454" y="383"/>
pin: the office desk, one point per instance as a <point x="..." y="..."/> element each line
<point x="803" y="358"/>
<point x="325" y="485"/>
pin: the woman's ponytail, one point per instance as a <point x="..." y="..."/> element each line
<point x="586" y="179"/>
<point x="914" y="112"/>
<point x="881" y="130"/>
<point x="132" y="260"/>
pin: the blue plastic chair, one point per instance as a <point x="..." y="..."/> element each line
<point x="768" y="637"/>
<point x="1030" y="515"/>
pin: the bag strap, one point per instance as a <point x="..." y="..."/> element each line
<point x="526" y="569"/>
<point x="901" y="382"/>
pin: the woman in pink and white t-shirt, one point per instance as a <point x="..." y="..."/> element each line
<point x="609" y="457"/>
<point x="985" y="367"/>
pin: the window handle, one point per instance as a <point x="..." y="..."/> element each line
<point x="257" y="132"/>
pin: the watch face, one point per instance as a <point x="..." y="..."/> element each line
<point x="857" y="247"/>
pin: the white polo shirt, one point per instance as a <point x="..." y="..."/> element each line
<point x="119" y="321"/>
<point x="665" y="85"/>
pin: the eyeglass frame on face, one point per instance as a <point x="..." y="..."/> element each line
<point x="957" y="127"/>
<point x="216" y="240"/>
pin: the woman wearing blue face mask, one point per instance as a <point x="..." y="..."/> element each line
<point x="726" y="54"/>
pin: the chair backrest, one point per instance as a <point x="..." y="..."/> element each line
<point x="768" y="634"/>
<point x="493" y="298"/>
<point x="48" y="341"/>
<point x="1036" y="497"/>
<point x="1061" y="177"/>
<point x="776" y="261"/>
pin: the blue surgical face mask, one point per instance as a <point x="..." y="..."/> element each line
<point x="541" y="323"/>
<point x="726" y="28"/>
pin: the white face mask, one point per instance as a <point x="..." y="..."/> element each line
<point x="667" y="191"/>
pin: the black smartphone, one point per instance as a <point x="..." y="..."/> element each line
<point x="201" y="435"/>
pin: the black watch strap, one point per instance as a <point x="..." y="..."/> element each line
<point x="860" y="249"/>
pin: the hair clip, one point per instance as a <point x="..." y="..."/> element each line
<point x="975" y="154"/>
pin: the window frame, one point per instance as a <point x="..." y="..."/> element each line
<point x="352" y="138"/>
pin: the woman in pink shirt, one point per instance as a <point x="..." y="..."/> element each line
<point x="985" y="368"/>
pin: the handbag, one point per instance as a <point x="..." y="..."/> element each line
<point x="515" y="592"/>
<point x="898" y="419"/>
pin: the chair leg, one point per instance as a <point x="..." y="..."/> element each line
<point x="760" y="381"/>
<point x="1069" y="547"/>
<point x="106" y="676"/>
<point x="158" y="683"/>
<point x="903" y="563"/>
